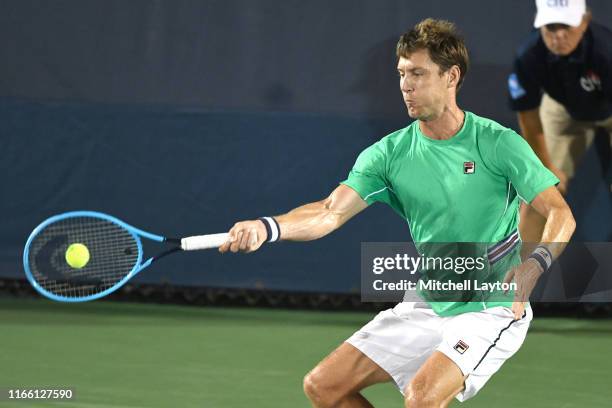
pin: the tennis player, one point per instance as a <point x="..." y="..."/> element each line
<point x="455" y="177"/>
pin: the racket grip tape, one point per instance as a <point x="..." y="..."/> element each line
<point x="204" y="241"/>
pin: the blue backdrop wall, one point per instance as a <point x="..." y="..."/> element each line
<point x="183" y="117"/>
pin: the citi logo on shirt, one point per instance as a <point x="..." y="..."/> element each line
<point x="469" y="167"/>
<point x="590" y="81"/>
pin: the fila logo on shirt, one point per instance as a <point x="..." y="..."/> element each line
<point x="469" y="167"/>
<point x="461" y="347"/>
<point x="590" y="81"/>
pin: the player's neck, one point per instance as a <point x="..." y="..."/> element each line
<point x="445" y="125"/>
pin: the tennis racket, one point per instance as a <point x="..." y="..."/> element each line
<point x="109" y="252"/>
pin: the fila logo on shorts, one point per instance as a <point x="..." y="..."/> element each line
<point x="461" y="347"/>
<point x="469" y="167"/>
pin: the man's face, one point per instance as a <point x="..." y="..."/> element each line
<point x="424" y="89"/>
<point x="562" y="39"/>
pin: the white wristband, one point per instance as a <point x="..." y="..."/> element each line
<point x="272" y="228"/>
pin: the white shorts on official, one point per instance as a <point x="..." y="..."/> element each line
<point x="400" y="339"/>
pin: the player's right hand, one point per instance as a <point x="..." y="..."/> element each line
<point x="245" y="236"/>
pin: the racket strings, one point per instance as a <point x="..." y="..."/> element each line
<point x="113" y="254"/>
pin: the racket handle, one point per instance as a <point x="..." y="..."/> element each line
<point x="204" y="241"/>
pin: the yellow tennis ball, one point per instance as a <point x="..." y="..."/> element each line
<point x="77" y="255"/>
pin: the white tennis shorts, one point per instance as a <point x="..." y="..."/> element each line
<point x="401" y="339"/>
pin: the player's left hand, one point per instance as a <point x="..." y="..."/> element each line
<point x="526" y="276"/>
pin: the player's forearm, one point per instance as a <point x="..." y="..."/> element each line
<point x="305" y="223"/>
<point x="559" y="228"/>
<point x="308" y="222"/>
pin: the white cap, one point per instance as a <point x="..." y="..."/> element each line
<point x="568" y="12"/>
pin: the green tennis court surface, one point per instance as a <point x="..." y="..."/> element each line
<point x="139" y="355"/>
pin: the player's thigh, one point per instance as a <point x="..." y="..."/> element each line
<point x="346" y="370"/>
<point x="437" y="381"/>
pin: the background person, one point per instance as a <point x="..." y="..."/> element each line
<point x="561" y="87"/>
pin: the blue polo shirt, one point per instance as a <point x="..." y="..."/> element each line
<point x="581" y="81"/>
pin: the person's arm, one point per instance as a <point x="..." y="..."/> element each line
<point x="560" y="226"/>
<point x="560" y="223"/>
<point x="532" y="131"/>
<point x="305" y="223"/>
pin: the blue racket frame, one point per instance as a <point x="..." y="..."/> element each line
<point x="135" y="232"/>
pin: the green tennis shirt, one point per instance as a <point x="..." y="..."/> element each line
<point x="463" y="189"/>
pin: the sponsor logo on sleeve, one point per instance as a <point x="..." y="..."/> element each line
<point x="514" y="86"/>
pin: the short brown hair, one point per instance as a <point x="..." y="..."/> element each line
<point x="443" y="42"/>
